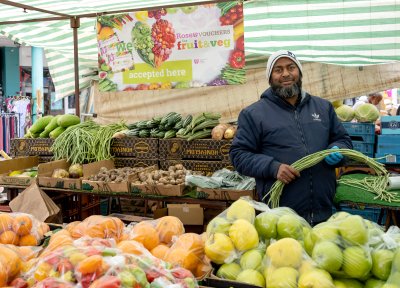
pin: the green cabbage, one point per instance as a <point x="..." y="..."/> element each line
<point x="345" y="113"/>
<point x="366" y="113"/>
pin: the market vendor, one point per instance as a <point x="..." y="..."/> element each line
<point x="285" y="125"/>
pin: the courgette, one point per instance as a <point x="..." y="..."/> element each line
<point x="164" y="120"/>
<point x="170" y="134"/>
<point x="186" y="121"/>
<point x="206" y="133"/>
<point x="205" y="124"/>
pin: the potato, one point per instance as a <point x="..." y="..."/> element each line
<point x="179" y="167"/>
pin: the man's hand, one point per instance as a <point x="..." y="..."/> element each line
<point x="334" y="157"/>
<point x="287" y="174"/>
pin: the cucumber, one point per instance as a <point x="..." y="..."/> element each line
<point x="40" y="124"/>
<point x="68" y="120"/>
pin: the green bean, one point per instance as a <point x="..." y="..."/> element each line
<point x="378" y="183"/>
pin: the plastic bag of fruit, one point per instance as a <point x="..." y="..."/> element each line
<point x="288" y="265"/>
<point x="349" y="247"/>
<point x="152" y="233"/>
<point x="86" y="260"/>
<point x="97" y="226"/>
<point x="238" y="229"/>
<point x="21" y="229"/>
<point x="166" y="240"/>
<point x="11" y="263"/>
<point x="187" y="251"/>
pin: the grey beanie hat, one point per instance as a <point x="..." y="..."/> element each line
<point x="280" y="54"/>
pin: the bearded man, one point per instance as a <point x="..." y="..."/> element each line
<point x="283" y="126"/>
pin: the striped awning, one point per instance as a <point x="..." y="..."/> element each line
<point x="353" y="33"/>
<point x="341" y="32"/>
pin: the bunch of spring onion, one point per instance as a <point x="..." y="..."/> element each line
<point x="375" y="184"/>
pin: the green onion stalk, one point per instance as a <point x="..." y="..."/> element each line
<point x="375" y="184"/>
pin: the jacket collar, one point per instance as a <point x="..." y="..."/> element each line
<point x="270" y="95"/>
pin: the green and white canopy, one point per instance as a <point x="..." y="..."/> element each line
<point x="346" y="32"/>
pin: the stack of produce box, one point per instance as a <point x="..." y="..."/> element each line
<point x="362" y="136"/>
<point x="388" y="145"/>
<point x="204" y="155"/>
<point x="135" y="152"/>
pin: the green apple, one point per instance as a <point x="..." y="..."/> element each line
<point x="325" y="231"/>
<point x="188" y="9"/>
<point x="229" y="271"/>
<point x="243" y="235"/>
<point x="219" y="247"/>
<point x="382" y="263"/>
<point x="396" y="260"/>
<point x="241" y="209"/>
<point x="265" y="224"/>
<point x="350" y="283"/>
<point x="356" y="261"/>
<point x="251" y="259"/>
<point x="339" y="284"/>
<point x="315" y="278"/>
<point x="394" y="280"/>
<point x="328" y="256"/>
<point x="353" y="230"/>
<point x="374" y="283"/>
<point x="338" y="216"/>
<point x="282" y="277"/>
<point x="286" y="252"/>
<point x="308" y="243"/>
<point x="289" y="225"/>
<point x="218" y="225"/>
<point x="252" y="277"/>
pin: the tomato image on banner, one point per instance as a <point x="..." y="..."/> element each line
<point x="183" y="47"/>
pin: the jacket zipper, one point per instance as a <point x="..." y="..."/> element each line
<point x="296" y="117"/>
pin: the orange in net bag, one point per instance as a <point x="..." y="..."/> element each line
<point x="21" y="229"/>
<point x="98" y="226"/>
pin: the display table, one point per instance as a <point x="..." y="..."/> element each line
<point x="360" y="197"/>
<point x="77" y="208"/>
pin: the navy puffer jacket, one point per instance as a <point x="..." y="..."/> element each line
<point x="271" y="132"/>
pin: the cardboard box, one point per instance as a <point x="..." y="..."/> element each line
<point x="390" y="125"/>
<point x="197" y="149"/>
<point x="207" y="167"/>
<point x="134" y="162"/>
<point x="189" y="214"/>
<point x="31" y="146"/>
<point x="130" y="218"/>
<point x="223" y="194"/>
<point x="45" y="170"/>
<point x="21" y="163"/>
<point x="161" y="190"/>
<point x="141" y="148"/>
<point x="100" y="186"/>
<point x="45" y="159"/>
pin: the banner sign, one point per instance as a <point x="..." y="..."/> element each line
<point x="191" y="46"/>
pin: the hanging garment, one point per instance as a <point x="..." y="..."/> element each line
<point x="21" y="107"/>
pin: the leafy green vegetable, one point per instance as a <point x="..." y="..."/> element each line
<point x="345" y="113"/>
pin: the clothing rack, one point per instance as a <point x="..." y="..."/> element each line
<point x="9" y="129"/>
